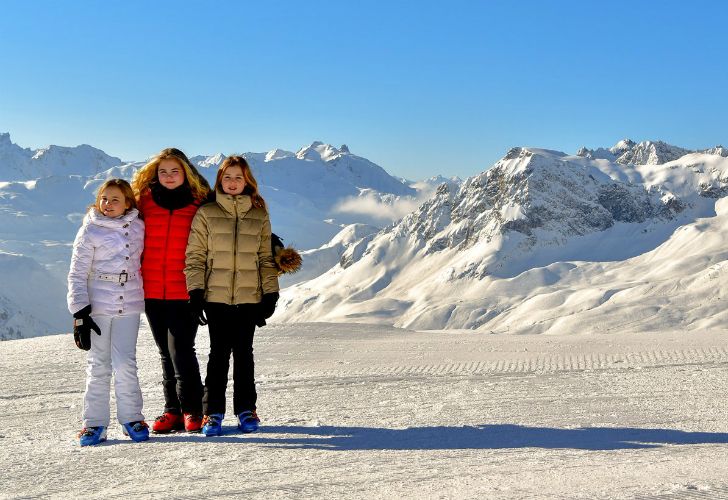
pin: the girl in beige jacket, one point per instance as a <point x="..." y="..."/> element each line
<point x="233" y="283"/>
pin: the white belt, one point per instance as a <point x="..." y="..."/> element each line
<point x="120" y="278"/>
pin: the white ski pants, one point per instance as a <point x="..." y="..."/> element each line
<point x="113" y="353"/>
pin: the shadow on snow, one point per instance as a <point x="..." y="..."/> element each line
<point x="480" y="437"/>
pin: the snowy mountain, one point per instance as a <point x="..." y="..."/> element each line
<point x="343" y="249"/>
<point x="318" y="172"/>
<point x="628" y="152"/>
<point x="18" y="163"/>
<point x="539" y="241"/>
<point x="312" y="195"/>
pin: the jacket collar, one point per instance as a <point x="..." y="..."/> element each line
<point x="229" y="203"/>
<point x="97" y="218"/>
<point x="171" y="199"/>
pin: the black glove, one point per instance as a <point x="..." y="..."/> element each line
<point x="267" y="307"/>
<point x="82" y="326"/>
<point x="197" y="306"/>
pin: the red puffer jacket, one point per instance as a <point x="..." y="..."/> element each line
<point x="165" y="242"/>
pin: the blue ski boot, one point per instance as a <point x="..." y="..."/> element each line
<point x="90" y="436"/>
<point x="248" y="421"/>
<point x="137" y="431"/>
<point x="212" y="424"/>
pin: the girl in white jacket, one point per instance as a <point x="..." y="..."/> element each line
<point x="105" y="295"/>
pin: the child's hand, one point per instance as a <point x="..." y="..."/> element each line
<point x="197" y="306"/>
<point x="268" y="304"/>
<point x="82" y="326"/>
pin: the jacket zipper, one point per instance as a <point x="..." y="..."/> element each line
<point x="235" y="251"/>
<point x="164" y="263"/>
<point x="259" y="288"/>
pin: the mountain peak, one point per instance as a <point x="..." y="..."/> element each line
<point x="317" y="150"/>
<point x="622" y="146"/>
<point x="277" y="154"/>
<point x="212" y="161"/>
<point x="652" y="153"/>
<point x="717" y="150"/>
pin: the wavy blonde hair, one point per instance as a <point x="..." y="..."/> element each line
<point x="147" y="175"/>
<point x="251" y="185"/>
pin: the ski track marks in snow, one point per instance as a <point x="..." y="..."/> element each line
<point x="362" y="411"/>
<point x="538" y="364"/>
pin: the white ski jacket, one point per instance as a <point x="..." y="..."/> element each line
<point x="105" y="266"/>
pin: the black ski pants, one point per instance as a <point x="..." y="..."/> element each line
<point x="231" y="331"/>
<point x="174" y="331"/>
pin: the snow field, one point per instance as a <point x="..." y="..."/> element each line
<point x="363" y="411"/>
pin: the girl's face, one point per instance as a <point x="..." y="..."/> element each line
<point x="170" y="173"/>
<point x="112" y="202"/>
<point x="233" y="181"/>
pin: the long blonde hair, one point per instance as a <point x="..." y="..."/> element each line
<point x="251" y="185"/>
<point x="147" y="175"/>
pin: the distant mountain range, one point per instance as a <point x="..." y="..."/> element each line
<point x="628" y="152"/>
<point x="610" y="238"/>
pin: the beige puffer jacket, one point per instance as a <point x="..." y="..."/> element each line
<point x="229" y="251"/>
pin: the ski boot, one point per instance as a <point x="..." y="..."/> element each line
<point x="137" y="431"/>
<point x="193" y="422"/>
<point x="212" y="424"/>
<point x="248" y="421"/>
<point x="168" y="422"/>
<point x="90" y="436"/>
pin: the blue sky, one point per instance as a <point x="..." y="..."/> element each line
<point x="419" y="87"/>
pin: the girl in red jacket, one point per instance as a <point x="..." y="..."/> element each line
<point x="169" y="190"/>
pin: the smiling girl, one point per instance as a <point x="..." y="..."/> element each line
<point x="170" y="190"/>
<point x="105" y="296"/>
<point x="232" y="277"/>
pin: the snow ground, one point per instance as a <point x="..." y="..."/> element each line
<point x="364" y="411"/>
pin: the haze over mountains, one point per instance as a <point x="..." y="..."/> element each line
<point x="539" y="242"/>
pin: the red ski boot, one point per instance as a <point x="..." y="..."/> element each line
<point x="193" y="423"/>
<point x="168" y="422"/>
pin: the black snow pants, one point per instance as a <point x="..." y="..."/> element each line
<point x="231" y="331"/>
<point x="174" y="331"/>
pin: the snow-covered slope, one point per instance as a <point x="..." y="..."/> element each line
<point x="343" y="249"/>
<point x="543" y="242"/>
<point x="32" y="299"/>
<point x="351" y="411"/>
